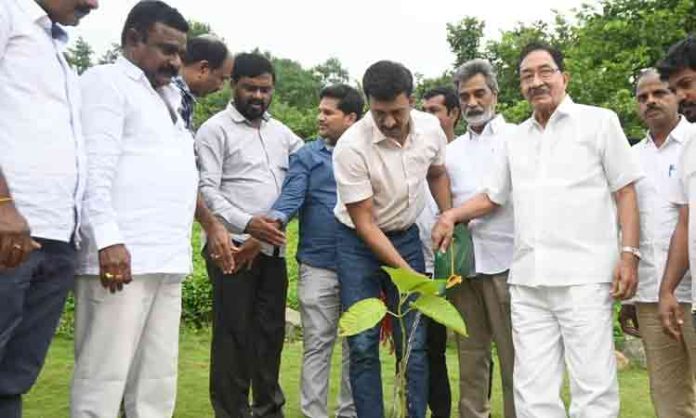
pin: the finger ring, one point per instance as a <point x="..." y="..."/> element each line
<point x="108" y="275"/>
<point x="214" y="256"/>
<point x="17" y="246"/>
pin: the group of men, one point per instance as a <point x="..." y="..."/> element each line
<point x="101" y="179"/>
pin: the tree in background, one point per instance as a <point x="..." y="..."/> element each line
<point x="80" y="56"/>
<point x="604" y="45"/>
<point x="464" y="38"/>
<point x="331" y="72"/>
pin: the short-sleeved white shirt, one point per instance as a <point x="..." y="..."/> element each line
<point x="470" y="160"/>
<point x="561" y="179"/>
<point x="658" y="214"/>
<point x="368" y="164"/>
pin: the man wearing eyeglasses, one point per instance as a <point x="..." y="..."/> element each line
<point x="570" y="174"/>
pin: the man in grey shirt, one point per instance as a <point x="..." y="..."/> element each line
<point x="243" y="157"/>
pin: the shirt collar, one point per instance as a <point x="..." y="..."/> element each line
<point x="378" y="136"/>
<point x="183" y="87"/>
<point x="678" y="134"/>
<point x="239" y="118"/>
<point x="492" y="127"/>
<point x="565" y="108"/>
<point x="39" y="15"/>
<point x="132" y="70"/>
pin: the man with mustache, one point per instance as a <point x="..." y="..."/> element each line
<point x="569" y="172"/>
<point x="672" y="385"/>
<point x="138" y="212"/>
<point x="381" y="164"/>
<point x="443" y="103"/>
<point x="310" y="188"/>
<point x="42" y="179"/>
<point x="678" y="68"/>
<point x="206" y="66"/>
<point x="484" y="299"/>
<point x="243" y="157"/>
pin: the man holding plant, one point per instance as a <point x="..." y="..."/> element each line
<point x="380" y="165"/>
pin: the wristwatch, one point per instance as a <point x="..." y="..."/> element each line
<point x="633" y="250"/>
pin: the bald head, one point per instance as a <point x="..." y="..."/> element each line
<point x="657" y="105"/>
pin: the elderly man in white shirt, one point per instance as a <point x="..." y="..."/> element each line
<point x="569" y="172"/>
<point x="672" y="384"/>
<point x="483" y="300"/>
<point x="138" y="212"/>
<point x="42" y="175"/>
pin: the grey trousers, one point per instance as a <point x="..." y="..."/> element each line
<point x="320" y="307"/>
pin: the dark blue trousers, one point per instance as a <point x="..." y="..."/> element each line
<point x="360" y="277"/>
<point x="32" y="296"/>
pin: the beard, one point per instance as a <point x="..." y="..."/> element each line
<point x="479" y="118"/>
<point x="252" y="109"/>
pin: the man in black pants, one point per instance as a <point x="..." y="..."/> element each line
<point x="243" y="157"/>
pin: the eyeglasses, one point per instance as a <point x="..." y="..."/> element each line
<point x="544" y="73"/>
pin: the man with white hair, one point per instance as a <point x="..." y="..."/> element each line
<point x="484" y="299"/>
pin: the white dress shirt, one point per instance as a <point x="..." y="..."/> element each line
<point x="685" y="194"/>
<point x="142" y="178"/>
<point x="658" y="214"/>
<point x="470" y="161"/>
<point x="243" y="167"/>
<point x="41" y="150"/>
<point x="561" y="179"/>
<point x="368" y="164"/>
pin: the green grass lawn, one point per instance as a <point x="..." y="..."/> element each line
<point x="49" y="398"/>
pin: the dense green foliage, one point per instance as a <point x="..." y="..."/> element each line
<point x="605" y="46"/>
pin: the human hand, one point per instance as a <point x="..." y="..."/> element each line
<point x="442" y="232"/>
<point x="245" y="256"/>
<point x="220" y="248"/>
<point x="671" y="315"/>
<point x="114" y="267"/>
<point x="628" y="319"/>
<point x="266" y="229"/>
<point x="15" y="240"/>
<point x="625" y="277"/>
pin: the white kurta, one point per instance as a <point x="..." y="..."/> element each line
<point x="561" y="178"/>
<point x="141" y="192"/>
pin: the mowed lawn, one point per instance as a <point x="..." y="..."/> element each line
<point x="49" y="398"/>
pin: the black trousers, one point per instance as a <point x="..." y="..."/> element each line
<point x="439" y="393"/>
<point x="248" y="336"/>
<point x="32" y="296"/>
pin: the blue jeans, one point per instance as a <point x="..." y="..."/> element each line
<point x="360" y="277"/>
<point x="32" y="296"/>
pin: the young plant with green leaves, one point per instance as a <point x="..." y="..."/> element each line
<point x="416" y="293"/>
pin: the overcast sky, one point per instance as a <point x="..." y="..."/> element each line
<point x="357" y="32"/>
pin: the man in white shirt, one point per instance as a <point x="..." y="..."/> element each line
<point x="569" y="172"/>
<point x="443" y="103"/>
<point x="41" y="183"/>
<point x="678" y="68"/>
<point x="138" y="212"/>
<point x="381" y="164"/>
<point x="672" y="385"/>
<point x="243" y="156"/>
<point x="483" y="300"/>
